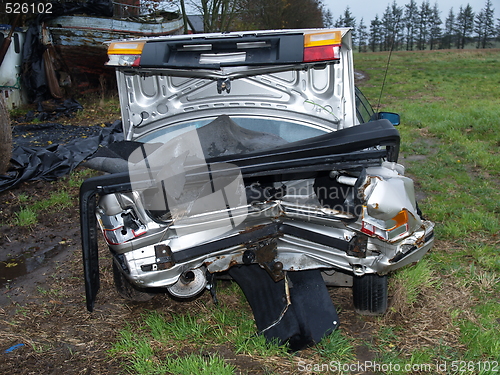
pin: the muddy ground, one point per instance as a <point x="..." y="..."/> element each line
<point x="42" y="302"/>
<point x="46" y="329"/>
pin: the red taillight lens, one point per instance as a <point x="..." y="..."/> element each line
<point x="321" y="53"/>
<point x="137" y="61"/>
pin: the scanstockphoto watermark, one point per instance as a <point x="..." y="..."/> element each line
<point x="357" y="367"/>
<point x="184" y="183"/>
<point x="180" y="180"/>
<point x="438" y="367"/>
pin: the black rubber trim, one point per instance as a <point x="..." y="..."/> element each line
<point x="258" y="49"/>
<point x="345" y="141"/>
<point x="309" y="318"/>
<point x="88" y="228"/>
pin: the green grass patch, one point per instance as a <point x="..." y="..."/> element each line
<point x="336" y="347"/>
<point x="178" y="343"/>
<point x="195" y="364"/>
<point x="22" y="198"/>
<point x="56" y="202"/>
<point x="62" y="198"/>
<point x="158" y="343"/>
<point x="482" y="336"/>
<point x="411" y="281"/>
<point x="185" y="327"/>
<point x="77" y="177"/>
<point x="143" y="359"/>
<point x="450" y="111"/>
<point x="28" y="213"/>
<point x="25" y="217"/>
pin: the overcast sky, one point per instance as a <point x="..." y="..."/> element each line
<point x="367" y="9"/>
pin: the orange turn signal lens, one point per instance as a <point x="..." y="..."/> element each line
<point x="316" y="39"/>
<point x="126" y="48"/>
<point x="400" y="219"/>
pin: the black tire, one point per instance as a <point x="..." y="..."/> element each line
<point x="369" y="294"/>
<point x="126" y="290"/>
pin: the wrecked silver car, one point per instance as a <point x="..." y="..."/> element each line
<point x="251" y="154"/>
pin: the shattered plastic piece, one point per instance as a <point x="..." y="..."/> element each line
<point x="12" y="348"/>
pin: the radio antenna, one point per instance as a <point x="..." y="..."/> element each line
<point x="388" y="62"/>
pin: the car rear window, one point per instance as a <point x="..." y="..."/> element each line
<point x="288" y="130"/>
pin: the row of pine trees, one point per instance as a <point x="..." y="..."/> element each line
<point x="419" y="27"/>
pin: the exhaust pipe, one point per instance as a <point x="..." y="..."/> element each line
<point x="190" y="283"/>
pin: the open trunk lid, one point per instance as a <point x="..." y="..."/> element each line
<point x="304" y="75"/>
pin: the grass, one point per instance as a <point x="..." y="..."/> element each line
<point x="450" y="110"/>
<point x="157" y="342"/>
<point x="26" y="217"/>
<point x="336" y="347"/>
<point x="184" y="343"/>
<point x="76" y="178"/>
<point x="143" y="359"/>
<point x="445" y="308"/>
<point x="59" y="200"/>
<point x="481" y="335"/>
<point x="410" y="282"/>
<point x="193" y="364"/>
<point x="96" y="110"/>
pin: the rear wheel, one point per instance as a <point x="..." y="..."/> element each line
<point x="370" y="294"/>
<point x="128" y="290"/>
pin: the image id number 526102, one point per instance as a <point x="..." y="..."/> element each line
<point x="28" y="8"/>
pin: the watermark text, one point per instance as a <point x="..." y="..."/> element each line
<point x="471" y="367"/>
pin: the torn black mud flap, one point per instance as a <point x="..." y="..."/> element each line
<point x="300" y="318"/>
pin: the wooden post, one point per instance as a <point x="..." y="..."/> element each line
<point x="5" y="137"/>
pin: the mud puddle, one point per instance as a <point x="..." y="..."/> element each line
<point x="27" y="262"/>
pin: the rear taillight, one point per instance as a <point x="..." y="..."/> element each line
<point x="120" y="228"/>
<point x="389" y="230"/>
<point x="318" y="45"/>
<point x="125" y="53"/>
<point x="322" y="46"/>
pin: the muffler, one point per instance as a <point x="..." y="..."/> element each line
<point x="190" y="283"/>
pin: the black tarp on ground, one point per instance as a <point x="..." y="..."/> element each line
<point x="51" y="111"/>
<point x="49" y="151"/>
